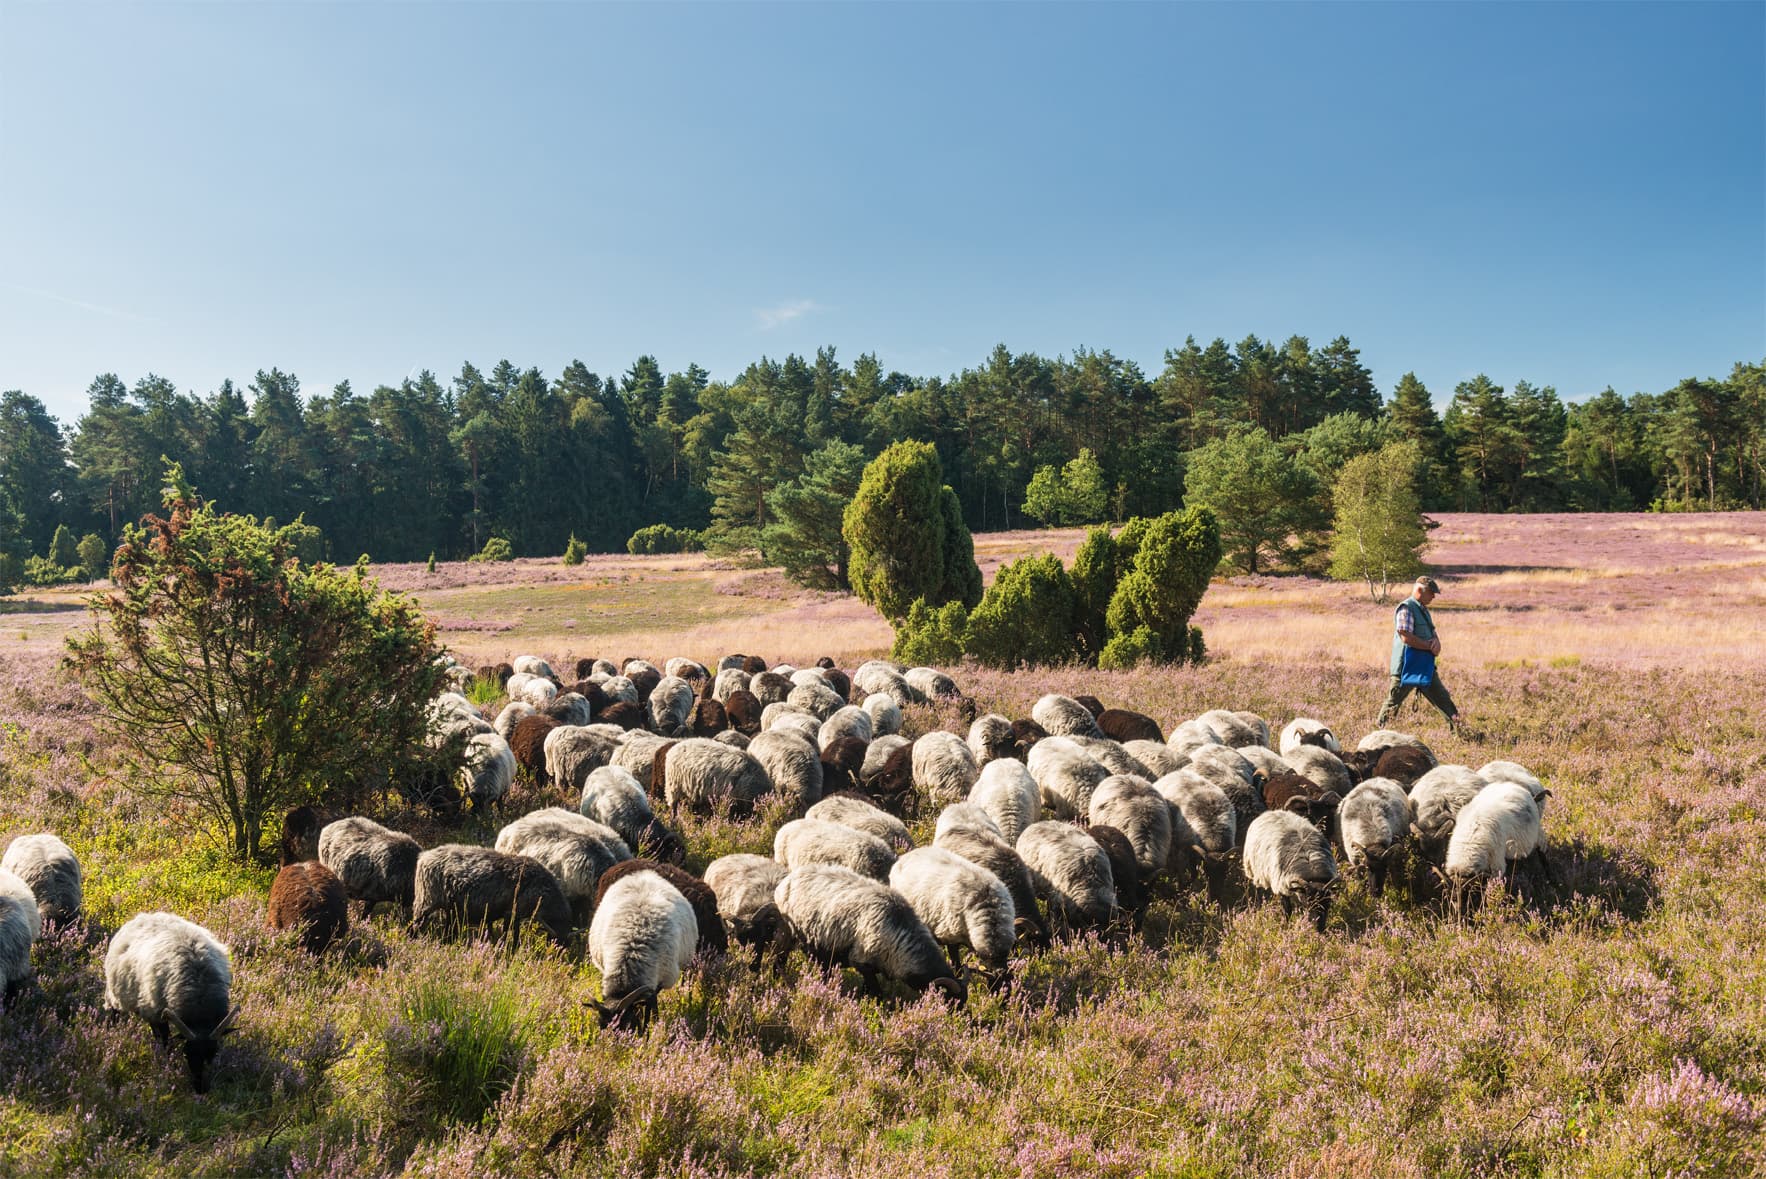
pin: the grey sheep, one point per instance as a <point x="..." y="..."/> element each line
<point x="671" y="706"/>
<point x="1065" y="775"/>
<point x="1215" y="761"/>
<point x="375" y="863"/>
<point x="1231" y="731"/>
<point x="861" y="815"/>
<point x="878" y="677"/>
<point x="173" y="973"/>
<point x="643" y="936"/>
<point x="963" y="904"/>
<point x="513" y="714"/>
<point x="463" y="886"/>
<point x="573" y="752"/>
<point x="612" y="796"/>
<point x="1071" y="873"/>
<point x="1266" y="761"/>
<point x="744" y="886"/>
<point x="1115" y="758"/>
<point x="1208" y="818"/>
<point x="848" y="721"/>
<point x="1374" y="821"/>
<point x="1257" y="725"/>
<point x="730" y="679"/>
<point x="571" y="708"/>
<point x="964" y="814"/>
<point x="636" y="755"/>
<point x="690" y="670"/>
<point x="991" y="738"/>
<point x="703" y="776"/>
<point x="487" y="770"/>
<point x="816" y="841"/>
<point x="621" y="689"/>
<point x="1435" y="800"/>
<point x="1391" y="738"/>
<point x="878" y="751"/>
<point x="534" y="689"/>
<point x="885" y="714"/>
<point x="931" y="683"/>
<point x="532" y="665"/>
<point x="817" y="698"/>
<point x="1189" y="735"/>
<point x="1141" y="813"/>
<point x="1520" y="775"/>
<point x="20" y="925"/>
<point x="51" y="871"/>
<point x="1322" y="768"/>
<point x="943" y="767"/>
<point x="769" y="687"/>
<point x="1290" y="858"/>
<point x="841" y="918"/>
<point x="1063" y="716"/>
<point x="989" y="851"/>
<point x="574" y="849"/>
<point x="1007" y="792"/>
<point x="1304" y="730"/>
<point x="792" y="765"/>
<point x="1158" y="758"/>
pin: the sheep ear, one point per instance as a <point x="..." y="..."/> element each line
<point x="1298" y="805"/>
<point x="1330" y="798"/>
<point x="226" y="1025"/>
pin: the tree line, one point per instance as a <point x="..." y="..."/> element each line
<point x="428" y="467"/>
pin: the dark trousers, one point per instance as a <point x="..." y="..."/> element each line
<point x="1435" y="692"/>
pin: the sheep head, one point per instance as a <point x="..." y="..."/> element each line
<point x="199" y="1050"/>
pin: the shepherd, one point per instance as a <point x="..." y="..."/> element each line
<point x="1414" y="648"/>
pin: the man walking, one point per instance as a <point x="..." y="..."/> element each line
<point x="1416" y="630"/>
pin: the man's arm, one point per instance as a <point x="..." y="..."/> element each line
<point x="1432" y="646"/>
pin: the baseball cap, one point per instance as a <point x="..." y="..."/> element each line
<point x="1428" y="583"/>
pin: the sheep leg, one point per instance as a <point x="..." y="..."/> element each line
<point x="13" y="988"/>
<point x="162" y="1032"/>
<point x="872" y="985"/>
<point x="955" y="954"/>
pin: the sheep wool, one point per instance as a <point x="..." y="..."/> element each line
<point x="986" y="850"/>
<point x="532" y="665"/>
<point x="963" y="814"/>
<point x="991" y="738"/>
<point x="1065" y="776"/>
<point x="931" y="683"/>
<point x="173" y="973"/>
<point x="792" y="765"/>
<point x="642" y="937"/>
<point x="744" y="886"/>
<point x="1304" y="730"/>
<point x="671" y="706"/>
<point x="1374" y="820"/>
<point x="1009" y="795"/>
<point x="513" y="713"/>
<point x="1520" y="775"/>
<point x="20" y="926"/>
<point x="375" y="863"/>
<point x="817" y="841"/>
<point x="943" y="767"/>
<point x="703" y="776"/>
<point x="576" y="850"/>
<point x="1435" y="800"/>
<point x="1157" y="757"/>
<point x="487" y="770"/>
<point x="885" y="715"/>
<point x="51" y="871"/>
<point x="612" y="796"/>
<point x="1391" y="739"/>
<point x="963" y="904"/>
<point x="878" y="751"/>
<point x="730" y="679"/>
<point x="1115" y="758"/>
<point x="463" y="886"/>
<point x="1063" y="716"/>
<point x="1070" y="872"/>
<point x="1141" y="813"/>
<point x="848" y="721"/>
<point x="841" y="917"/>
<point x="1289" y="857"/>
<point x="573" y="752"/>
<point x="1497" y="828"/>
<point x="1229" y="729"/>
<point x="861" y="815"/>
<point x="1186" y="737"/>
<point x="309" y="897"/>
<point x="1323" y="767"/>
<point x="636" y="755"/>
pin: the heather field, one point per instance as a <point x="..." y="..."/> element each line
<point x="1619" y="1032"/>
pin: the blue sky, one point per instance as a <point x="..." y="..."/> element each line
<point x="1574" y="195"/>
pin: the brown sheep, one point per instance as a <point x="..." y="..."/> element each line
<point x="644" y="679"/>
<point x="622" y="713"/>
<point x="585" y="667"/>
<point x="839" y="681"/>
<point x="842" y="765"/>
<point x="1119" y="724"/>
<point x="892" y="787"/>
<point x="527" y="740"/>
<point x="1026" y="733"/>
<point x="753" y="664"/>
<point x="713" y="938"/>
<point x="1131" y="893"/>
<point x="742" y="707"/>
<point x="1092" y="705"/>
<point x="300" y="835"/>
<point x="709" y="718"/>
<point x="308" y="896"/>
<point x="1404" y="764"/>
<point x="1302" y="796"/>
<point x="656" y="788"/>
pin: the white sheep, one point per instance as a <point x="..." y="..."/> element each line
<point x="943" y="767"/>
<point x="877" y="677"/>
<point x="878" y="751"/>
<point x="1257" y="725"/>
<point x="791" y="763"/>
<point x="769" y="687"/>
<point x="848" y="721"/>
<point x="1231" y="730"/>
<point x="744" y="886"/>
<point x="620" y="689"/>
<point x="612" y="796"/>
<point x="1071" y="873"/>
<point x="1189" y="735"/>
<point x="851" y="811"/>
<point x="1266" y="761"/>
<point x="730" y="679"/>
<point x="1391" y="738"/>
<point x="703" y="775"/>
<point x="1065" y="776"/>
<point x="375" y="863"/>
<point x="1321" y="767"/>
<point x="535" y="690"/>
<point x="1289" y="857"/>
<point x="513" y="714"/>
<point x="573" y="752"/>
<point x="1209" y="826"/>
<point x="817" y="698"/>
<point x="1435" y="800"/>
<point x="885" y="714"/>
<point x="21" y="924"/>
<point x="991" y="738"/>
<point x="1157" y="757"/>
<point x="1304" y="730"/>
<point x="52" y="872"/>
<point x="1498" y="829"/>
<point x="1063" y="716"/>
<point x="571" y="708"/>
<point x="842" y="918"/>
<point x="964" y="905"/>
<point x="173" y="973"/>
<point x="987" y="850"/>
<point x="1215" y="761"/>
<point x="930" y="683"/>
<point x="1007" y="792"/>
<point x="1375" y="821"/>
<point x="1520" y="775"/>
<point x="964" y="814"/>
<point x="532" y="665"/>
<point x="671" y="707"/>
<point x="1115" y="758"/>
<point x="816" y="841"/>
<point x="636" y="755"/>
<point x="1141" y="813"/>
<point x="487" y="770"/>
<point x="576" y="850"/>
<point x="642" y="937"/>
<point x="690" y="670"/>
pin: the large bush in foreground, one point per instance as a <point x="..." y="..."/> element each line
<point x="240" y="679"/>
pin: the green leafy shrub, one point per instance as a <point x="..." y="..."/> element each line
<point x="94" y="556"/>
<point x="1175" y="558"/>
<point x="44" y="571"/>
<point x="806" y="541"/>
<point x="574" y="551"/>
<point x="931" y="635"/>
<point x="495" y="549"/>
<point x="1025" y="616"/>
<point x="430" y="567"/>
<point x="905" y="529"/>
<point x="1124" y="651"/>
<point x="1097" y="567"/>
<point x="662" y="538"/>
<point x="455" y="1050"/>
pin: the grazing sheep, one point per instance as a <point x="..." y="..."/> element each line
<point x="1009" y="795"/>
<point x="843" y="764"/>
<point x="625" y="715"/>
<point x="792" y="765"/>
<point x="1300" y="795"/>
<point x="744" y="711"/>
<point x="817" y="841"/>
<point x="574" y="752"/>
<point x="963" y="904"/>
<point x="487" y="770"/>
<point x="690" y="670"/>
<point x="704" y="776"/>
<point x="931" y="683"/>
<point x="987" y="850"/>
<point x="708" y="719"/>
<point x="512" y="715"/>
<point x="1065" y="776"/>
<point x="1508" y="771"/>
<point x="1303" y="730"/>
<point x="991" y="738"/>
<point x="174" y="974"/>
<point x="841" y="918"/>
<point x="1231" y="731"/>
<point x="1125" y="872"/>
<point x="51" y="871"/>
<point x="570" y="708"/>
<point x="671" y="706"/>
<point x="613" y="797"/>
<point x="375" y="863"/>
<point x="574" y="849"/>
<point x="779" y="710"/>
<point x="943" y="767"/>
<point x="1028" y="733"/>
<point x="1265" y="760"/>
<point x="644" y="678"/>
<point x="1071" y="873"/>
<point x="839" y="681"/>
<point x="309" y="897"/>
<point x="300" y="834"/>
<point x="730" y="679"/>
<point x="713" y="938"/>
<point x="1392" y="739"/>
<point x="769" y="687"/>
<point x="732" y="738"/>
<point x="879" y="678"/>
<point x="817" y="699"/>
<point x="878" y="753"/>
<point x="642" y="937"/>
<point x="885" y="715"/>
<point x="1403" y="764"/>
<point x="620" y="689"/>
<point x="1374" y="820"/>
<point x="1119" y="724"/>
<point x="1189" y="736"/>
<point x="21" y="923"/>
<point x="1092" y="705"/>
<point x="1141" y="813"/>
<point x="744" y="886"/>
<point x="533" y="665"/>
<point x="1257" y="725"/>
<point x="528" y="743"/>
<point x="1321" y="765"/>
<point x="964" y="814"/>
<point x="462" y="886"/>
<point x="849" y="721"/>
<point x="734" y="662"/>
<point x="1063" y="716"/>
<point x="1115" y="758"/>
<point x="861" y="815"/>
<point x="533" y="689"/>
<point x="1496" y="830"/>
<point x="636" y="755"/>
<point x="1214" y="762"/>
<point x="1209" y="818"/>
<point x="1435" y="801"/>
<point x="1289" y="857"/>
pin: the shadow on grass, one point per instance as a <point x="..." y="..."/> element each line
<point x="33" y="606"/>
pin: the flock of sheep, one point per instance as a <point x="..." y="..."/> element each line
<point x="1056" y="823"/>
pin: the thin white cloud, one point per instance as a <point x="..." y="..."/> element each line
<point x="80" y="303"/>
<point x="792" y="309"/>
